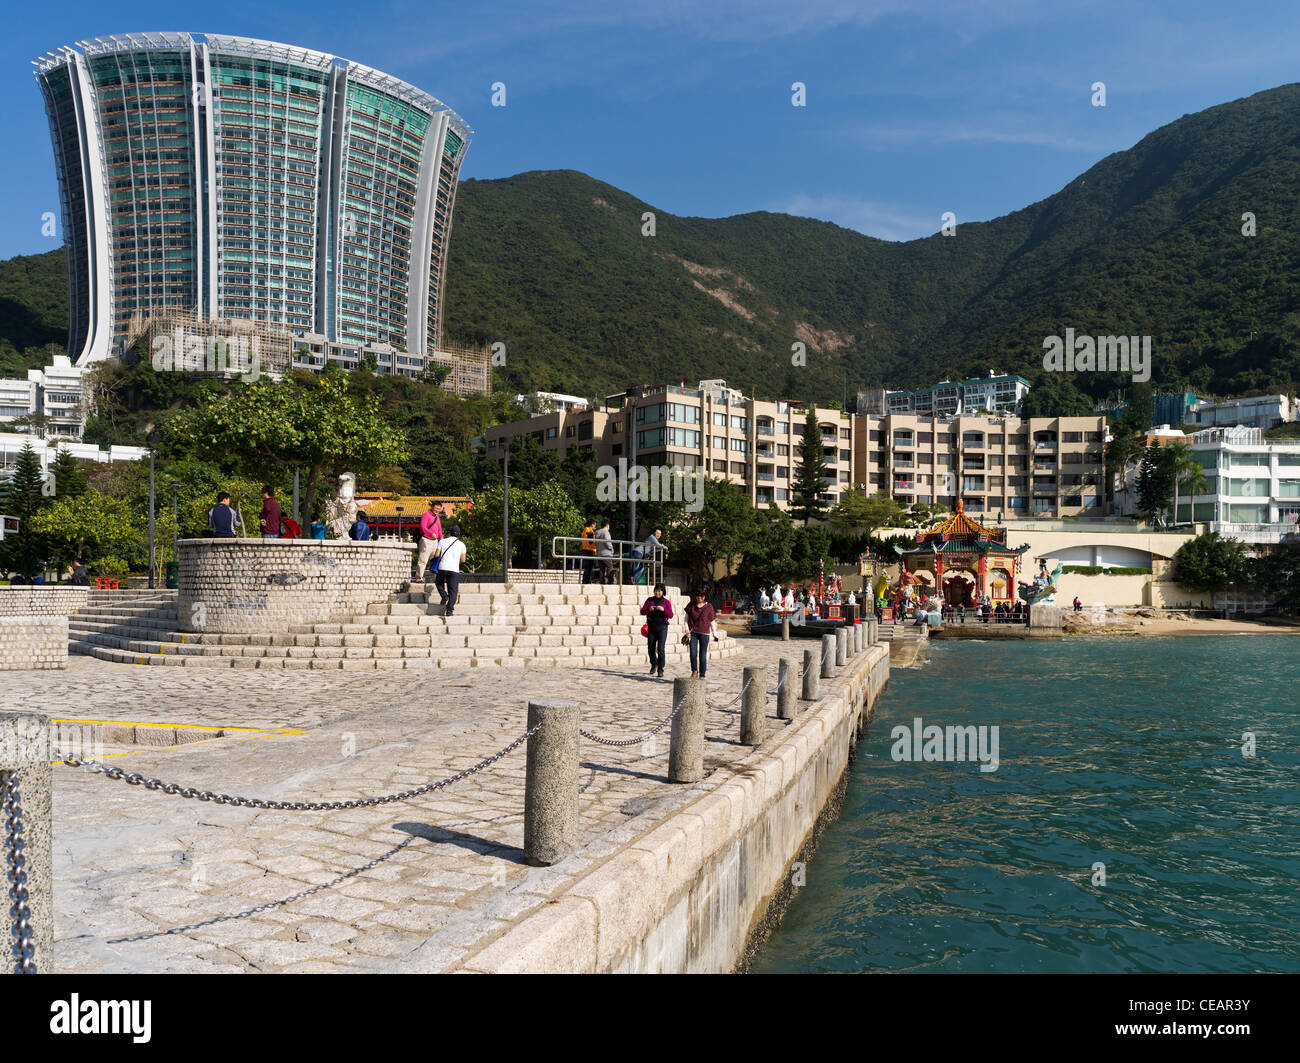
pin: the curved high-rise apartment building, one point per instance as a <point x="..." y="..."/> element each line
<point x="237" y="178"/>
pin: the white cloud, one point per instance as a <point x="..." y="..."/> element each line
<point x="886" y="221"/>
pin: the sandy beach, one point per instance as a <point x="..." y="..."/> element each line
<point x="1082" y="624"/>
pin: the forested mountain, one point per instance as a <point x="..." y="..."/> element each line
<point x="1149" y="241"/>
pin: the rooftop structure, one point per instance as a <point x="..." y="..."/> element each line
<point x="997" y="393"/>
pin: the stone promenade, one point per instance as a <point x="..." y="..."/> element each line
<point x="150" y="882"/>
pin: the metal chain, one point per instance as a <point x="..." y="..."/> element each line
<point x="24" y="951"/>
<point x="632" y="741"/>
<point x="136" y="779"/>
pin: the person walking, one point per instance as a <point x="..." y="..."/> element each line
<point x="451" y="551"/>
<point x="588" y="550"/>
<point x="699" y="622"/>
<point x="223" y="521"/>
<point x="605" y="553"/>
<point x="77" y="574"/>
<point x="657" y="610"/>
<point x="430" y="535"/>
<point x="272" y="515"/>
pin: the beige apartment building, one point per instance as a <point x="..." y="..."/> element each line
<point x="1043" y="467"/>
<point x="713" y="428"/>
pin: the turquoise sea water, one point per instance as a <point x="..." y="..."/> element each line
<point x="1123" y="751"/>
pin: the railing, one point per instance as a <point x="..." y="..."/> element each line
<point x="628" y="562"/>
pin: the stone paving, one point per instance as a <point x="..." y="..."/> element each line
<point x="150" y="882"/>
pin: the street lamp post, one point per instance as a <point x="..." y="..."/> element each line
<point x="505" y="516"/>
<point x="176" y="523"/>
<point x="399" y="522"/>
<point x="151" y="549"/>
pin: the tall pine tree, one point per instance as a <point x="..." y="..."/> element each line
<point x="1155" y="482"/>
<point x="69" y="480"/>
<point x="21" y="496"/>
<point x="807" y="486"/>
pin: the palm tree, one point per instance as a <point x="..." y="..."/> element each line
<point x="1188" y="473"/>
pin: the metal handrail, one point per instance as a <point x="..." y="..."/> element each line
<point x="568" y="549"/>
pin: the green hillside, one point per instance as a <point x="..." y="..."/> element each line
<point x="1149" y="242"/>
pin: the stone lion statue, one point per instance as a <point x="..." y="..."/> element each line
<point x="341" y="510"/>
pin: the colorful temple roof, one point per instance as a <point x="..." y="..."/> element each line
<point x="380" y="504"/>
<point x="960" y="534"/>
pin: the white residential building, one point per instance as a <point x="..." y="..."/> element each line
<point x="540" y="402"/>
<point x="1255" y="485"/>
<point x="56" y="391"/>
<point x="12" y="443"/>
<point x="1252" y="411"/>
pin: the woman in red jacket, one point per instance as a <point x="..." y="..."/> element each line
<point x="699" y="621"/>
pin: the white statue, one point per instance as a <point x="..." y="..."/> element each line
<point x="341" y="510"/>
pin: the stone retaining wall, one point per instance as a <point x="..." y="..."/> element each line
<point x="689" y="895"/>
<point x="42" y="601"/>
<point x="255" y="586"/>
<point x="33" y="642"/>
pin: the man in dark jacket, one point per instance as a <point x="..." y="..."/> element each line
<point x="222" y="518"/>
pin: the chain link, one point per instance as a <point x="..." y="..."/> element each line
<point x="136" y="779"/>
<point x="632" y="741"/>
<point x="24" y="951"/>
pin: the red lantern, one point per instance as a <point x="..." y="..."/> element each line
<point x="645" y="631"/>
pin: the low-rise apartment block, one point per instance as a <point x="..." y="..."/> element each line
<point x="1044" y="467"/>
<point x="713" y="428"/>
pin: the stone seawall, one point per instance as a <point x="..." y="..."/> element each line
<point x="255" y="586"/>
<point x="693" y="892"/>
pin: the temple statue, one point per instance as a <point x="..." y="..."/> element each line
<point x="341" y="510"/>
<point x="1043" y="589"/>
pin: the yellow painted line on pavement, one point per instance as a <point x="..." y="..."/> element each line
<point x="254" y="734"/>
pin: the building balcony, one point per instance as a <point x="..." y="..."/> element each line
<point x="766" y="476"/>
<point x="1044" y="444"/>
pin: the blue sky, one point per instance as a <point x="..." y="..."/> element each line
<point x="979" y="107"/>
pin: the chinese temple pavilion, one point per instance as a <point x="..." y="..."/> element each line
<point x="962" y="560"/>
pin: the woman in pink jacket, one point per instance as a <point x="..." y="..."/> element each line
<point x="657" y="610"/>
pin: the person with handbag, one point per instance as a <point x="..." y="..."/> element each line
<point x="657" y="610"/>
<point x="449" y="554"/>
<point x="430" y="535"/>
<point x="699" y="624"/>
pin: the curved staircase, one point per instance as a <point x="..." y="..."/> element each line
<point x="507" y="625"/>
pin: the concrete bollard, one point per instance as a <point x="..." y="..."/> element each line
<point x="873" y="632"/>
<point x="811" y="680"/>
<point x="841" y="647"/>
<point x="551" y="783"/>
<point x="753" y="706"/>
<point x="686" y="749"/>
<point x="858" y="632"/>
<point x="25" y="748"/>
<point x="785" y="627"/>
<point x="828" y="656"/>
<point x="786" y="707"/>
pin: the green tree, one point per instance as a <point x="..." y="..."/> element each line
<point x="23" y="496"/>
<point x="1278" y="574"/>
<point x="1155" y="483"/>
<point x="1189" y="476"/>
<point x="94" y="527"/>
<point x="1210" y="562"/>
<point x="536" y="513"/>
<point x="858" y="513"/>
<point x="69" y="480"/>
<point x="769" y="557"/>
<point x="807" y="488"/>
<point x="721" y="531"/>
<point x="316" y="424"/>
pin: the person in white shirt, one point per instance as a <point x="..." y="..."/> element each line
<point x="450" y="551"/>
